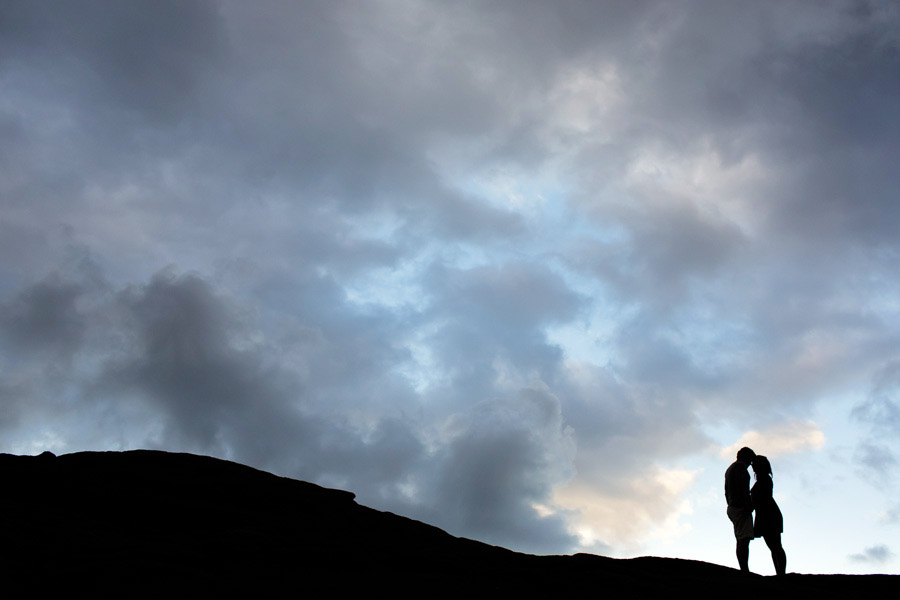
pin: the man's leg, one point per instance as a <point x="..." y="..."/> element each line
<point x="743" y="554"/>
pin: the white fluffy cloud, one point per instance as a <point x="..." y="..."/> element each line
<point x="780" y="439"/>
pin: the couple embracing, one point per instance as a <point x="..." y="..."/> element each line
<point x="743" y="501"/>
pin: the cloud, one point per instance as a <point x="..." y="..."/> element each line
<point x="878" y="455"/>
<point x="891" y="515"/>
<point x="177" y="364"/>
<point x="498" y="462"/>
<point x="778" y="440"/>
<point x="647" y="505"/>
<point x="620" y="495"/>
<point x="879" y="554"/>
<point x="876" y="458"/>
<point x="44" y="318"/>
<point x="151" y="63"/>
<point x="277" y="236"/>
<point x="880" y="409"/>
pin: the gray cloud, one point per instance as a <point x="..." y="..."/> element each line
<point x="744" y="257"/>
<point x="874" y="554"/>
<point x="174" y="364"/>
<point x="621" y="426"/>
<point x="499" y="459"/>
<point x="44" y="318"/>
<point x="877" y="458"/>
<point x="892" y="515"/>
<point x="349" y="300"/>
<point x="878" y="455"/>
<point x="148" y="61"/>
<point x="880" y="409"/>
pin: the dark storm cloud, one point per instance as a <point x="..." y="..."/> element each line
<point x="144" y="56"/>
<point x="206" y="107"/>
<point x="183" y="359"/>
<point x="735" y="90"/>
<point x="358" y="315"/>
<point x="500" y="459"/>
<point x="44" y="318"/>
<point x="809" y="103"/>
<point x="182" y="369"/>
<point x="844" y="88"/>
<point x="177" y="351"/>
<point x="174" y="347"/>
<point x="193" y="360"/>
<point x="40" y="324"/>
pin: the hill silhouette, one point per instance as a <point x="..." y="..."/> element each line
<point x="145" y="522"/>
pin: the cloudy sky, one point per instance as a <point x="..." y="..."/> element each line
<point x="528" y="271"/>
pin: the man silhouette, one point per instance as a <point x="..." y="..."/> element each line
<point x="740" y="509"/>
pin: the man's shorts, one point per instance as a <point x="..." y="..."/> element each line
<point x="743" y="522"/>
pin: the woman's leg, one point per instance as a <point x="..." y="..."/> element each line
<point x="779" y="558"/>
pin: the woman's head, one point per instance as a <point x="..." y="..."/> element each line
<point x="761" y="466"/>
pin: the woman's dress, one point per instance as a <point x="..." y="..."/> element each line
<point x="768" y="519"/>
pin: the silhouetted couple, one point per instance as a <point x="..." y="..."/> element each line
<point x="743" y="501"/>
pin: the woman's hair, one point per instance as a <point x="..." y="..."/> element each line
<point x="761" y="466"/>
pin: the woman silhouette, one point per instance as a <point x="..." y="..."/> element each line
<point x="769" y="523"/>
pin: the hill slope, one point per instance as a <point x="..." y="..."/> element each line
<point x="153" y="521"/>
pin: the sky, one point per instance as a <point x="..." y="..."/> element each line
<point x="528" y="271"/>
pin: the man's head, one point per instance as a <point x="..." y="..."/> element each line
<point x="746" y="455"/>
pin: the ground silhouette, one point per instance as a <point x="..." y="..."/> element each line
<point x="149" y="522"/>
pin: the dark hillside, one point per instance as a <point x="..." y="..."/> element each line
<point x="149" y="522"/>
